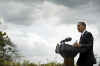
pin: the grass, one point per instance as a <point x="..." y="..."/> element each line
<point x="27" y="63"/>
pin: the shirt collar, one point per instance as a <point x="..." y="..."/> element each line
<point x="83" y="32"/>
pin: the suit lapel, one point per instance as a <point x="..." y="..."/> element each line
<point x="81" y="38"/>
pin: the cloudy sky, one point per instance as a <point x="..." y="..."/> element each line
<point x="36" y="26"/>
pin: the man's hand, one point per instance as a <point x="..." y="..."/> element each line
<point x="76" y="44"/>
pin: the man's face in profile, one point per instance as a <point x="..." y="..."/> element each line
<point x="80" y="27"/>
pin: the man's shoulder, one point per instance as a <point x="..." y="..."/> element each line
<point x="88" y="34"/>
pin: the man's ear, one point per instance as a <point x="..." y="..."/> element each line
<point x="84" y="28"/>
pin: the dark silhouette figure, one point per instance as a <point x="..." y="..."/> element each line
<point x="85" y="46"/>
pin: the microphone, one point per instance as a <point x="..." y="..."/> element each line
<point x="66" y="39"/>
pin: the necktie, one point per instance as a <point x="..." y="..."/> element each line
<point x="80" y="38"/>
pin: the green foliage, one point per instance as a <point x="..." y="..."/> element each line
<point x="1" y="62"/>
<point x="8" y="52"/>
<point x="51" y="64"/>
<point x="27" y="63"/>
<point x="7" y="48"/>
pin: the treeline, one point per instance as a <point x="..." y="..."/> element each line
<point x="8" y="53"/>
<point x="26" y="63"/>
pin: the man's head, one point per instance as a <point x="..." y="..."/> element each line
<point x="81" y="26"/>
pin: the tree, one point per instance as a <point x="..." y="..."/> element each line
<point x="7" y="47"/>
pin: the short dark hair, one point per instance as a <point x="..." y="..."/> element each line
<point x="82" y="23"/>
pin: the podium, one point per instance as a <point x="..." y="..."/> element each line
<point x="68" y="52"/>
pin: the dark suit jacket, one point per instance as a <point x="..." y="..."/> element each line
<point x="86" y="50"/>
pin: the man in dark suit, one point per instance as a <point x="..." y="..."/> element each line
<point x="85" y="46"/>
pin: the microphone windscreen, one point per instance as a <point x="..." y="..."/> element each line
<point x="68" y="39"/>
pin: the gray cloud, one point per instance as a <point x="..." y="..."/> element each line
<point x="25" y="12"/>
<point x="22" y="13"/>
<point x="71" y="3"/>
<point x="80" y="10"/>
<point x="96" y="2"/>
<point x="77" y="3"/>
<point x="21" y="0"/>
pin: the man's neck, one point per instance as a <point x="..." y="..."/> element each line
<point x="83" y="32"/>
